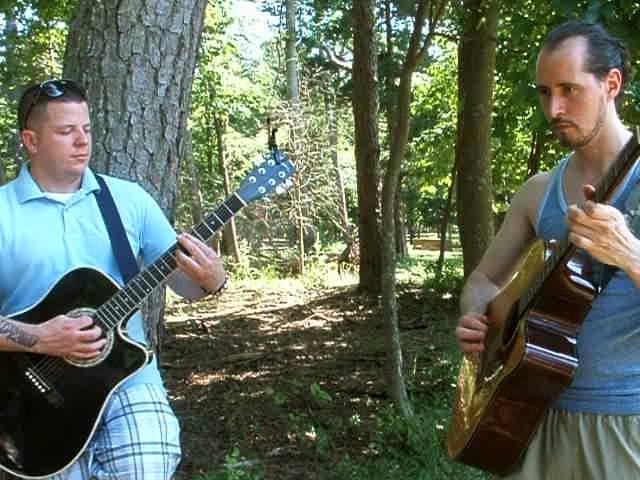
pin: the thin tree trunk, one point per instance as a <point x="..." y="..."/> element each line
<point x="293" y="83"/>
<point x="229" y="236"/>
<point x="195" y="199"/>
<point x="136" y="59"/>
<point x="533" y="162"/>
<point x="343" y="213"/>
<point x="401" y="228"/>
<point x="367" y="145"/>
<point x="475" y="89"/>
<point x="444" y="222"/>
<point x="414" y="57"/>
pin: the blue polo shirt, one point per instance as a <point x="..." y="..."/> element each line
<point x="42" y="239"/>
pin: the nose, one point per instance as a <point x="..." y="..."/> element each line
<point x="556" y="106"/>
<point x="82" y="137"/>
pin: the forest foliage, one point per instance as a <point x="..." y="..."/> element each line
<point x="239" y="84"/>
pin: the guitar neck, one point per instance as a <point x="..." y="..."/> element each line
<point x="127" y="300"/>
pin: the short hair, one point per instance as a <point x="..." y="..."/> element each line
<point x="37" y="96"/>
<point x="604" y="51"/>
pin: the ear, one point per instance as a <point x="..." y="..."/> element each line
<point x="613" y="83"/>
<point x="30" y="141"/>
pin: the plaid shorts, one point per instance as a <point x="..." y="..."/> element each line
<point x="138" y="438"/>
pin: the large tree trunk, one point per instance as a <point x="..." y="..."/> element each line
<point x="477" y="53"/>
<point x="136" y="59"/>
<point x="367" y="146"/>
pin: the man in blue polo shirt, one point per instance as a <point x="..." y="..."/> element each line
<point x="50" y="224"/>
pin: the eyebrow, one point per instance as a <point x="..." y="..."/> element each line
<point x="563" y="84"/>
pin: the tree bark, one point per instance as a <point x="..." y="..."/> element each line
<point x="444" y="222"/>
<point x="401" y="227"/>
<point x="229" y="237"/>
<point x="136" y="59"/>
<point x="399" y="138"/>
<point x="343" y="213"/>
<point x="195" y="198"/>
<point x="477" y="54"/>
<point x="367" y="146"/>
<point x="293" y="83"/>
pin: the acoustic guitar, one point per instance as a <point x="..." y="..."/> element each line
<point x="530" y="352"/>
<point x="50" y="406"/>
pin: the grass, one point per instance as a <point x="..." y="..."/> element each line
<point x="400" y="448"/>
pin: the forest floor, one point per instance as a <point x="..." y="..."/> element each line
<point x="288" y="380"/>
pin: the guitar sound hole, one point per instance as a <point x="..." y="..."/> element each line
<point x="104" y="353"/>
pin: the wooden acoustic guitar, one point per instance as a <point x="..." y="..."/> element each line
<point x="530" y="353"/>
<point x="49" y="406"/>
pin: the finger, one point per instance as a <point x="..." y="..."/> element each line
<point x="92" y="348"/>
<point x="576" y="214"/>
<point x="90" y="335"/>
<point x="195" y="246"/>
<point x="470" y="335"/>
<point x="581" y="241"/>
<point x="588" y="191"/>
<point x="81" y="322"/>
<point x="476" y="322"/>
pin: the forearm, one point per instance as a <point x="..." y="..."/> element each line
<point x="15" y="336"/>
<point x="478" y="291"/>
<point x="187" y="288"/>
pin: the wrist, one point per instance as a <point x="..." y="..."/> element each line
<point x="215" y="292"/>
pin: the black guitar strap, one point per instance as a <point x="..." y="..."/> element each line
<point x="119" y="241"/>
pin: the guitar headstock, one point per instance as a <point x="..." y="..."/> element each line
<point x="273" y="174"/>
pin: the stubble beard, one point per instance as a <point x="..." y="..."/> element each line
<point x="583" y="139"/>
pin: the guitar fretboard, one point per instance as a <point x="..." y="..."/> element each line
<point x="127" y="300"/>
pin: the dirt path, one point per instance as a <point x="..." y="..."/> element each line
<point x="289" y="378"/>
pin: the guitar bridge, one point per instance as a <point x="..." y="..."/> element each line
<point x="43" y="387"/>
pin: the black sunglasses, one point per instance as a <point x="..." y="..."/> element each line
<point x="51" y="89"/>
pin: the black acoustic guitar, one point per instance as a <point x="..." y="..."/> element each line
<point x="50" y="406"/>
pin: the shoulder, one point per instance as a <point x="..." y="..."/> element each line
<point x="535" y="186"/>
<point x="527" y="200"/>
<point x="118" y="187"/>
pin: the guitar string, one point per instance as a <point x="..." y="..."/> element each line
<point x="50" y="368"/>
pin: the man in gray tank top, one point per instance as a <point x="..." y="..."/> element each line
<point x="592" y="431"/>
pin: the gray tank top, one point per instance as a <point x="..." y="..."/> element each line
<point x="607" y="380"/>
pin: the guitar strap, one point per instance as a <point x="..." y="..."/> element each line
<point x="119" y="242"/>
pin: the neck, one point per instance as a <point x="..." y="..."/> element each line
<point x="52" y="183"/>
<point x="594" y="159"/>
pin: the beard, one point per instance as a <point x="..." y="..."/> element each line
<point x="581" y="139"/>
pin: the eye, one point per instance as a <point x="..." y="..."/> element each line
<point x="543" y="91"/>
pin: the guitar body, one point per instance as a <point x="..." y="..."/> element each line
<point x="528" y="361"/>
<point x="49" y="407"/>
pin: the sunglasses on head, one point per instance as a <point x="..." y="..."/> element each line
<point x="51" y="89"/>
